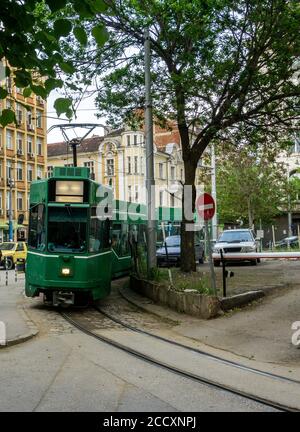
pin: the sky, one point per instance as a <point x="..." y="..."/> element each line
<point x="85" y="114"/>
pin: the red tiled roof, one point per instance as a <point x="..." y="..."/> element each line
<point x="89" y="145"/>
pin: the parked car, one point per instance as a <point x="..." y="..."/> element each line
<point x="169" y="252"/>
<point x="286" y="242"/>
<point x="11" y="252"/>
<point x="235" y="241"/>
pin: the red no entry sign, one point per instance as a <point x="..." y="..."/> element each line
<point x="205" y="206"/>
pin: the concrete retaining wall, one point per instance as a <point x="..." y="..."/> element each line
<point x="239" y="300"/>
<point x="190" y="301"/>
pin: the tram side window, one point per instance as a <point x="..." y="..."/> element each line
<point x="37" y="234"/>
<point x="99" y="235"/>
<point x="120" y="239"/>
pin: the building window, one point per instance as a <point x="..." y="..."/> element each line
<point x="29" y="119"/>
<point x="39" y="119"/>
<point x="20" y="201"/>
<point x="29" y="146"/>
<point x="9" y="104"/>
<point x="90" y="165"/>
<point x="9" y="170"/>
<point x="128" y="165"/>
<point x="68" y="165"/>
<point x="29" y="173"/>
<point x="160" y="170"/>
<point x="20" y="143"/>
<point x="49" y="171"/>
<point x="39" y="146"/>
<point x="110" y="169"/>
<point x="9" y="140"/>
<point x="172" y="200"/>
<point x="136" y="168"/>
<point x="19" y="114"/>
<point x="39" y="172"/>
<point x="172" y="173"/>
<point x="19" y="172"/>
<point x="128" y="140"/>
<point x="142" y="165"/>
<point x="129" y="194"/>
<point x="161" y="198"/>
<point x="7" y="200"/>
<point x="136" y="195"/>
<point x="135" y="139"/>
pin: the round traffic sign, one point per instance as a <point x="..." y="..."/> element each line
<point x="205" y="206"/>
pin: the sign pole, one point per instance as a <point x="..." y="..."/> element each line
<point x="206" y="209"/>
<point x="211" y="264"/>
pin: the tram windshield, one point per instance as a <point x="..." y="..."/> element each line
<point x="67" y="229"/>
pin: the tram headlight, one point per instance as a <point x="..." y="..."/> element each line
<point x="65" y="272"/>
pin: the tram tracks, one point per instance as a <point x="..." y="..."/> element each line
<point x="171" y="366"/>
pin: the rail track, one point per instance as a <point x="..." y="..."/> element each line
<point x="178" y="370"/>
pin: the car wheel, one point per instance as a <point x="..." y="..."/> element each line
<point x="253" y="262"/>
<point x="258" y="260"/>
<point x="8" y="263"/>
<point x="216" y="263"/>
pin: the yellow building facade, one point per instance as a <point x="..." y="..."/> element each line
<point x="118" y="160"/>
<point x="23" y="156"/>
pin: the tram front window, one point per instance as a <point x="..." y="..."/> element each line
<point x="67" y="229"/>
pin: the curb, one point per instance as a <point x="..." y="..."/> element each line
<point x="33" y="330"/>
<point x="166" y="313"/>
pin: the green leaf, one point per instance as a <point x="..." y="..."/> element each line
<point x="80" y="35"/>
<point x="3" y="93"/>
<point x="62" y="105"/>
<point x="55" y="5"/>
<point x="69" y="113"/>
<point x="52" y="83"/>
<point x="39" y="90"/>
<point x="83" y="9"/>
<point x="27" y="92"/>
<point x="7" y="117"/>
<point x="100" y="34"/>
<point x="62" y="27"/>
<point x="99" y="6"/>
<point x="67" y="67"/>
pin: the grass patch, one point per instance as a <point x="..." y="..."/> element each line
<point x="182" y="281"/>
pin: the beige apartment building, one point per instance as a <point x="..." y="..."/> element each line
<point x="23" y="156"/>
<point x="118" y="160"/>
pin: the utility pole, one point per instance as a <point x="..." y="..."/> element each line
<point x="10" y="218"/>
<point x="214" y="221"/>
<point x="151" y="233"/>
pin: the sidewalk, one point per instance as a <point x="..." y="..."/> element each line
<point x="17" y="325"/>
<point x="261" y="332"/>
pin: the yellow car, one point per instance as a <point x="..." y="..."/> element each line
<point x="11" y="252"/>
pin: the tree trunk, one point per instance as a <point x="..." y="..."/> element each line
<point x="250" y="217"/>
<point x="188" y="263"/>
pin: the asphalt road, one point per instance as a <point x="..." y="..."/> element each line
<point x="65" y="370"/>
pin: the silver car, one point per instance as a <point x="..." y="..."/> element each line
<point x="235" y="241"/>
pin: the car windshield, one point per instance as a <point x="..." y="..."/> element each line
<point x="67" y="229"/>
<point x="235" y="237"/>
<point x="173" y="241"/>
<point x="7" y="246"/>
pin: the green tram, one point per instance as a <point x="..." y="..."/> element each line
<point x="80" y="238"/>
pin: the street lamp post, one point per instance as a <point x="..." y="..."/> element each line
<point x="10" y="218"/>
<point x="214" y="221"/>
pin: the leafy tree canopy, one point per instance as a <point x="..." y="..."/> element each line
<point x="253" y="184"/>
<point x="31" y="49"/>
<point x="225" y="68"/>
